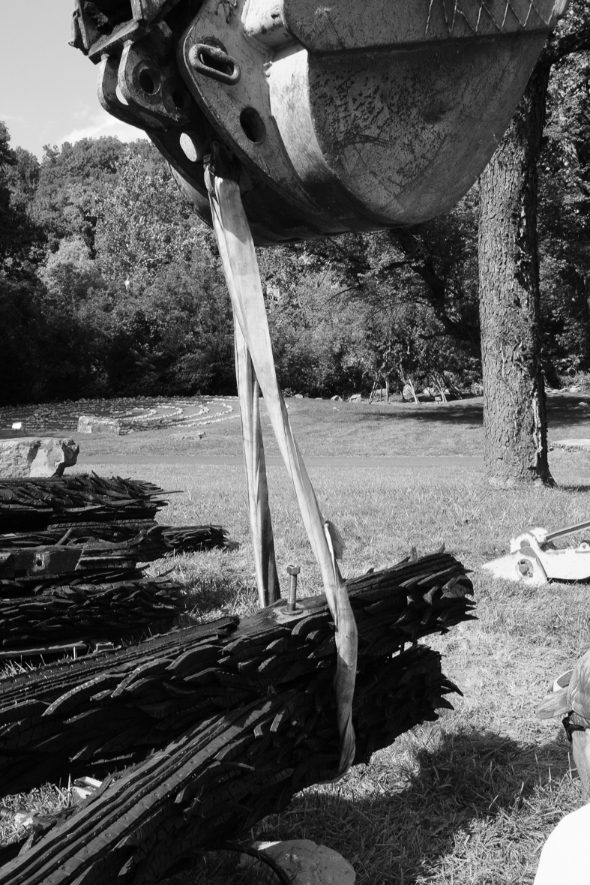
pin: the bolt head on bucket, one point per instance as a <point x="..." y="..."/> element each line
<point x="516" y="567"/>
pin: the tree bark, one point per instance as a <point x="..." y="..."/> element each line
<point x="514" y="395"/>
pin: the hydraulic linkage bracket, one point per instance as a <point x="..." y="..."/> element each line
<point x="534" y="559"/>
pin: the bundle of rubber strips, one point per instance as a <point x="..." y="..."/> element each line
<point x="202" y="732"/>
<point x="71" y="555"/>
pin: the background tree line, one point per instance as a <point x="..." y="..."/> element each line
<point x="109" y="285"/>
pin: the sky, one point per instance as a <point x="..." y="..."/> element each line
<point x="47" y="89"/>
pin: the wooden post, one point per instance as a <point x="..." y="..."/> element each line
<point x="439" y="380"/>
<point x="260" y="519"/>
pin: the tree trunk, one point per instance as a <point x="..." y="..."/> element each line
<point x="514" y="395"/>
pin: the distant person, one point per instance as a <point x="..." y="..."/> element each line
<point x="565" y="859"/>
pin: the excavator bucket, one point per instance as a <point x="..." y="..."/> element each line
<point x="534" y="559"/>
<point x="519" y="568"/>
<point x="343" y="117"/>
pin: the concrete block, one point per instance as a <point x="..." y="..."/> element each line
<point x="36" y="457"/>
<point x="94" y="424"/>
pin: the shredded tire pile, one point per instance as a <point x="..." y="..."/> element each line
<point x="223" y="722"/>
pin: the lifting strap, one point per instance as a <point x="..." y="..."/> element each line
<point x="240" y="266"/>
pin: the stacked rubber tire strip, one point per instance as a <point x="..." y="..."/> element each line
<point x="216" y="726"/>
<point x="29" y="504"/>
<point x="70" y="553"/>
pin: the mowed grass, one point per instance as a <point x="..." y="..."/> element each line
<point x="345" y="429"/>
<point x="470" y="799"/>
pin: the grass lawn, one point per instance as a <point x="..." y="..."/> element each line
<point x="471" y="798"/>
<point x="347" y="430"/>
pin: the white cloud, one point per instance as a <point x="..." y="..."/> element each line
<point x="101" y="123"/>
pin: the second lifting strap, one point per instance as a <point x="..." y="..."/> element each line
<point x="240" y="267"/>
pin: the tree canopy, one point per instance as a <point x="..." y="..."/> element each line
<point x="109" y="284"/>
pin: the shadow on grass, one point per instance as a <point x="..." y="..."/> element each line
<point x="575" y="488"/>
<point x="474" y="795"/>
<point x="473" y="780"/>
<point x="210" y="594"/>
<point x="456" y="413"/>
<point x="563" y="410"/>
<point x="213" y="595"/>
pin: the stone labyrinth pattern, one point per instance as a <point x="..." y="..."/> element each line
<point x="135" y="414"/>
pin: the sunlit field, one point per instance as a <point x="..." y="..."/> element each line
<point x="471" y="798"/>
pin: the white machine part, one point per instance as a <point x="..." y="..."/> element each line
<point x="534" y="559"/>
